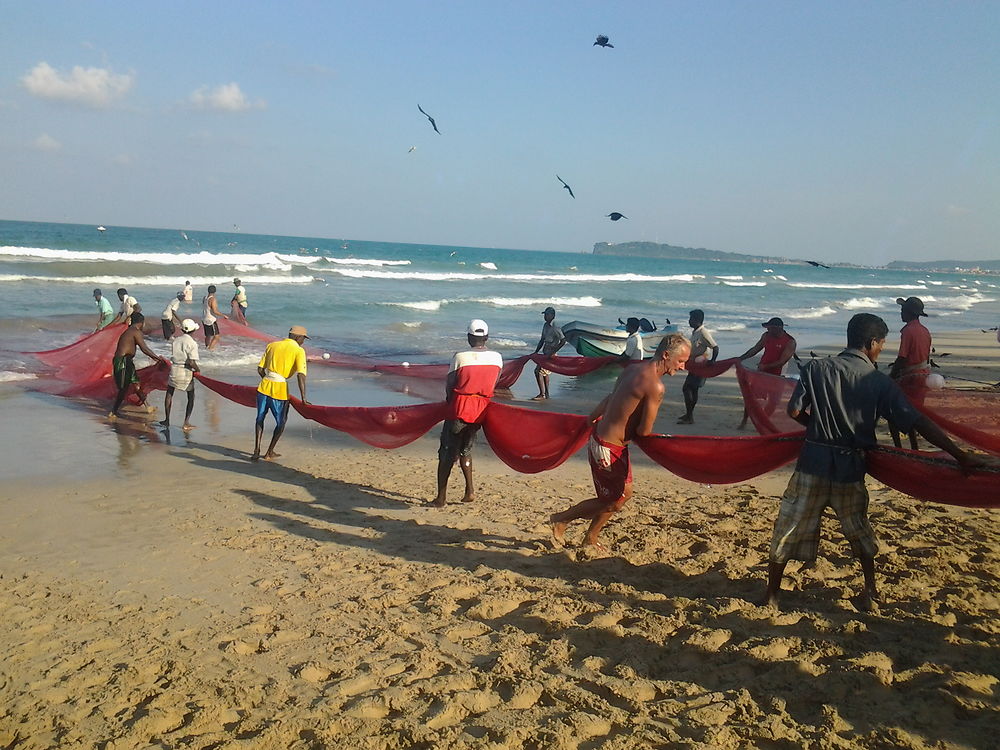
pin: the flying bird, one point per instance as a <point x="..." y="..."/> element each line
<point x="412" y="149"/>
<point x="602" y="41"/>
<point x="566" y="186"/>
<point x="615" y="216"/>
<point x="433" y="124"/>
<point x="817" y="265"/>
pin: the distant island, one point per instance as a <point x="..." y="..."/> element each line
<point x="658" y="250"/>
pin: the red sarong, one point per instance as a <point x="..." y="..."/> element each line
<point x="611" y="469"/>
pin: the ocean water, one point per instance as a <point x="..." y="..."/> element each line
<point x="412" y="302"/>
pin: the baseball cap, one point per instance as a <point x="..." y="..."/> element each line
<point x="478" y="327"/>
<point x="297" y="331"/>
<point x="774" y="322"/>
<point x="188" y="325"/>
<point x="914" y="304"/>
<point x="549" y="309"/>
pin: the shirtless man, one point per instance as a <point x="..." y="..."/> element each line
<point x="123" y="366"/>
<point x="628" y="412"/>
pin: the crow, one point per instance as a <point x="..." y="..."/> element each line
<point x="602" y="41"/>
<point x="566" y="186"/>
<point x="615" y="216"/>
<point x="433" y="124"/>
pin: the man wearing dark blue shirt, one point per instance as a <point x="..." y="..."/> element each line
<point x="839" y="400"/>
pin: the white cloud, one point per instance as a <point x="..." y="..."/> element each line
<point x="228" y="97"/>
<point x="953" y="210"/>
<point x="93" y="87"/>
<point x="46" y="142"/>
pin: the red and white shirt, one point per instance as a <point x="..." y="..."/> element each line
<point x="476" y="372"/>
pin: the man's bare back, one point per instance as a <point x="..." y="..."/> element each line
<point x="630" y="409"/>
<point x="129" y="340"/>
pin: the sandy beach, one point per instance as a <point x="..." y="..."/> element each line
<point x="172" y="594"/>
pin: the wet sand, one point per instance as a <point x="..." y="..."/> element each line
<point x="172" y="594"/>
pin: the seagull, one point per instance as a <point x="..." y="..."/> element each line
<point x="566" y="186"/>
<point x="602" y="41"/>
<point x="433" y="124"/>
<point x="412" y="149"/>
<point x="615" y="216"/>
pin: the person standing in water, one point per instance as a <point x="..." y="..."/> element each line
<point x="123" y="364"/>
<point x="184" y="364"/>
<point x="210" y="319"/>
<point x="105" y="312"/>
<point x="552" y="340"/>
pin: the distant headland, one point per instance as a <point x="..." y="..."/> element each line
<point x="659" y="250"/>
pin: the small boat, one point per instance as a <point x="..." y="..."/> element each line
<point x="102" y="229"/>
<point x="593" y="340"/>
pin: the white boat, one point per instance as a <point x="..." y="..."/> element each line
<point x="593" y="340"/>
<point x="101" y="229"/>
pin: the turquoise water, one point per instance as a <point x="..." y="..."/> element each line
<point x="412" y="301"/>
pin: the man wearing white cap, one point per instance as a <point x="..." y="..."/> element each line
<point x="183" y="366"/>
<point x="468" y="390"/>
<point x="281" y="360"/>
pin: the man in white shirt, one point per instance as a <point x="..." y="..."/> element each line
<point x="170" y="315"/>
<point x="129" y="306"/>
<point x="701" y="342"/>
<point x="188" y="292"/>
<point x="240" y="298"/>
<point x="183" y="366"/>
<point x="210" y="318"/>
<point x="633" y="347"/>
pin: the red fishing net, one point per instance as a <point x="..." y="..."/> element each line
<point x="721" y="460"/>
<point x="934" y="477"/>
<point x="973" y="416"/>
<point x="531" y="441"/>
<point x="381" y="426"/>
<point x="766" y="399"/>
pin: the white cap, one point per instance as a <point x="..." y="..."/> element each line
<point x="478" y="327"/>
<point x="188" y="325"/>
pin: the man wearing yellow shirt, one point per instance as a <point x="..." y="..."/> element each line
<point x="281" y="360"/>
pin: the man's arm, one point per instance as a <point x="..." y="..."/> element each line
<point x="754" y="349"/>
<point x="966" y="459"/>
<point x="786" y="353"/>
<point x="140" y="341"/>
<point x="715" y="353"/>
<point x="541" y="341"/>
<point x="302" y="386"/>
<point x="192" y="364"/>
<point x="215" y="309"/>
<point x="650" y="407"/>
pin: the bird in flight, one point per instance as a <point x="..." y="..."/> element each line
<point x="433" y="124"/>
<point x="602" y="41"/>
<point x="566" y="186"/>
<point x="412" y="149"/>
<point x="817" y="265"/>
<point x="615" y="216"/>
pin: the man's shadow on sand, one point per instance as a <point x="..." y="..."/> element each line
<point x="854" y="693"/>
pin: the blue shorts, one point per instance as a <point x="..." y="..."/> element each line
<point x="277" y="407"/>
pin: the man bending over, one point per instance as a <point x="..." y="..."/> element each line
<point x="626" y="413"/>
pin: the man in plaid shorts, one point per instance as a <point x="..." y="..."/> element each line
<point x="839" y="400"/>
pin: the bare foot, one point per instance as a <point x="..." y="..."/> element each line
<point x="685" y="420"/>
<point x="270" y="456"/>
<point x="595" y="547"/>
<point x="187" y="427"/>
<point x="437" y="502"/>
<point x="769" y="599"/>
<point x="469" y="499"/>
<point x="539" y="397"/>
<point x="255" y="457"/>
<point x="164" y="422"/>
<point x="741" y="426"/>
<point x="558" y="532"/>
<point x="151" y="410"/>
<point x="112" y="417"/>
<point x="866" y="600"/>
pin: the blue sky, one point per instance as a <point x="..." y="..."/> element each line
<point x="849" y="131"/>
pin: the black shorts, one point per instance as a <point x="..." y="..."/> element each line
<point x="458" y="437"/>
<point x="692" y="382"/>
<point x="211" y="329"/>
<point x="168" y="328"/>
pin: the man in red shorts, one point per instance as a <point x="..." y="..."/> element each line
<point x="628" y="412"/>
